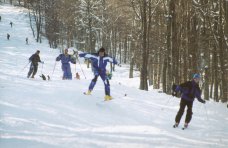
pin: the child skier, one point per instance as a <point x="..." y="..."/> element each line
<point x="99" y="63"/>
<point x="65" y="59"/>
<point x="189" y="90"/>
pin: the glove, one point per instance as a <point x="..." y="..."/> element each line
<point x="174" y="87"/>
<point x="75" y="52"/>
<point x="174" y="94"/>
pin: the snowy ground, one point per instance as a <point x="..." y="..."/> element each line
<point x="56" y="114"/>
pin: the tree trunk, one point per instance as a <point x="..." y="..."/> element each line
<point x="132" y="60"/>
<point x="143" y="76"/>
<point x="222" y="56"/>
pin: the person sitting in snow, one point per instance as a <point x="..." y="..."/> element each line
<point x="65" y="59"/>
<point x="34" y="59"/>
<point x="99" y="62"/>
<point x="189" y="90"/>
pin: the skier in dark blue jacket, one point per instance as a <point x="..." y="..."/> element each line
<point x="65" y="59"/>
<point x="34" y="59"/>
<point x="189" y="91"/>
<point x="99" y="62"/>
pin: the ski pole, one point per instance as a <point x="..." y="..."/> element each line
<point x="53" y="69"/>
<point x="75" y="60"/>
<point x="75" y="68"/>
<point x="167" y="102"/>
<point x="80" y="66"/>
<point x="25" y="66"/>
<point x="206" y="112"/>
<point x="42" y="68"/>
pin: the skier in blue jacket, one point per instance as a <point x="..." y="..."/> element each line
<point x="65" y="59"/>
<point x="189" y="91"/>
<point x="99" y="62"/>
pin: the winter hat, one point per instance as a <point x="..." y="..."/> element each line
<point x="196" y="76"/>
<point x="101" y="49"/>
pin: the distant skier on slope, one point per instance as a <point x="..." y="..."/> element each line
<point x="189" y="90"/>
<point x="65" y="59"/>
<point x="34" y="59"/>
<point x="99" y="63"/>
<point x="8" y="36"/>
<point x="11" y="24"/>
<point x="26" y="40"/>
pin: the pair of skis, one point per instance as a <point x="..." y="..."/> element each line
<point x="102" y="101"/>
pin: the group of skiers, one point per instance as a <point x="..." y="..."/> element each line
<point x="189" y="90"/>
<point x="99" y="62"/>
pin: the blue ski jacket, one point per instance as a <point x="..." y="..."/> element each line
<point x="189" y="91"/>
<point x="99" y="63"/>
<point x="65" y="59"/>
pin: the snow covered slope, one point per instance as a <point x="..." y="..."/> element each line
<point x="56" y="114"/>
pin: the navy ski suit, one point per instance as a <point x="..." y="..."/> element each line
<point x="99" y="68"/>
<point x="65" y="59"/>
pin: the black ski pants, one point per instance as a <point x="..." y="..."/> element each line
<point x="33" y="69"/>
<point x="188" y="117"/>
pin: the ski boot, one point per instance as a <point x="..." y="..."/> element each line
<point x="185" y="125"/>
<point x="88" y="92"/>
<point x="175" y="125"/>
<point x="107" y="98"/>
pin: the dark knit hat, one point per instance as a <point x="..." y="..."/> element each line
<point x="101" y="49"/>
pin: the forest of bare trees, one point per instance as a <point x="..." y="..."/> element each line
<point x="166" y="40"/>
